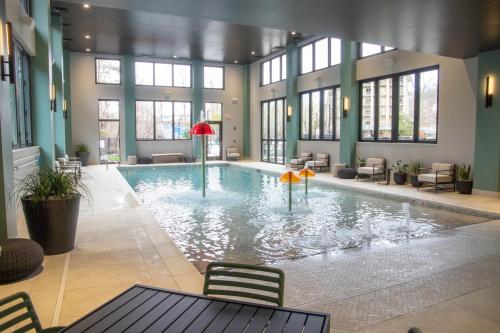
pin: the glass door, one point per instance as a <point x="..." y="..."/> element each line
<point x="109" y="131"/>
<point x="213" y="115"/>
<point x="273" y="139"/>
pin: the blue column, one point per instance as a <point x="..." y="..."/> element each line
<point x="67" y="97"/>
<point x="197" y="99"/>
<point x="129" y="81"/>
<point x="293" y="100"/>
<point x="57" y="80"/>
<point x="8" y="226"/>
<point x="349" y="88"/>
<point x="246" y="111"/>
<point x="41" y="79"/>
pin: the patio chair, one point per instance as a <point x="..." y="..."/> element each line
<point x="19" y="315"/>
<point x="438" y="174"/>
<point x="232" y="154"/>
<point x="70" y="169"/>
<point x="320" y="163"/>
<point x="299" y="162"/>
<point x="72" y="161"/>
<point x="374" y="168"/>
<point x="257" y="283"/>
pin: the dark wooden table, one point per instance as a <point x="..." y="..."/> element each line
<point x="148" y="309"/>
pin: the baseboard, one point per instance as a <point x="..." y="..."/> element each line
<point x="489" y="194"/>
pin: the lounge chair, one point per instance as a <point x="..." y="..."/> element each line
<point x="320" y="163"/>
<point x="19" y="315"/>
<point x="374" y="168"/>
<point x="69" y="169"/>
<point x="232" y="154"/>
<point x="438" y="174"/>
<point x="71" y="161"/>
<point x="257" y="283"/>
<point x="299" y="162"/>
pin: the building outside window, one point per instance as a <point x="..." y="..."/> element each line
<point x="400" y="108"/>
<point x="109" y="131"/>
<point x="162" y="120"/>
<point x="21" y="109"/>
<point x="320" y="114"/>
<point x="108" y="71"/>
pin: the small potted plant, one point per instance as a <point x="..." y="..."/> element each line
<point x="464" y="182"/>
<point x="399" y="172"/>
<point x="361" y="161"/>
<point x="414" y="169"/>
<point x="83" y="154"/>
<point x="51" y="204"/>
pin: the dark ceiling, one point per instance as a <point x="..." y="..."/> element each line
<point x="226" y="30"/>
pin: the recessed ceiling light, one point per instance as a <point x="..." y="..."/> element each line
<point x="88" y="50"/>
<point x="175" y="56"/>
<point x="253" y="52"/>
<point x="87" y="36"/>
<point x="86" y="5"/>
<point x="236" y="61"/>
<point x="294" y="33"/>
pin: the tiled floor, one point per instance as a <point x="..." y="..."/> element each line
<point x="447" y="283"/>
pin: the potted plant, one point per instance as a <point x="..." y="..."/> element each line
<point x="414" y="169"/>
<point x="464" y="182"/>
<point x="361" y="161"/>
<point x="83" y="154"/>
<point x="51" y="203"/>
<point x="399" y="172"/>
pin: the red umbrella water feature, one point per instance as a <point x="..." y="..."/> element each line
<point x="203" y="129"/>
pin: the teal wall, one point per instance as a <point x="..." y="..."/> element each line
<point x="246" y="111"/>
<point x="129" y="83"/>
<point x="293" y="100"/>
<point x="57" y="79"/>
<point x="67" y="96"/>
<point x="349" y="127"/>
<point x="487" y="146"/>
<point x="41" y="79"/>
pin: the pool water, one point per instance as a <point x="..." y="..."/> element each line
<point x="245" y="218"/>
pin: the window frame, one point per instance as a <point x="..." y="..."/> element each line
<point x="223" y="76"/>
<point x="221" y="110"/>
<point x="313" y="60"/>
<point x="270" y="61"/>
<point x="154" y="119"/>
<point x="121" y="68"/>
<point x="382" y="50"/>
<point x="25" y="115"/>
<point x="321" y="113"/>
<point x="154" y="74"/>
<point x="99" y="119"/>
<point x="285" y="106"/>
<point x="395" y="106"/>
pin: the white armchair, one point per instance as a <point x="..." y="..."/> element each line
<point x="320" y="163"/>
<point x="299" y="162"/>
<point x="374" y="167"/>
<point x="232" y="154"/>
<point x="438" y="174"/>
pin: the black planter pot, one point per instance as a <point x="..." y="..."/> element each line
<point x="52" y="223"/>
<point x="414" y="180"/>
<point x="400" y="178"/>
<point x="84" y="157"/>
<point x="464" y="186"/>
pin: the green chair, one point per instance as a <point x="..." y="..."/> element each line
<point x="18" y="314"/>
<point x="245" y="281"/>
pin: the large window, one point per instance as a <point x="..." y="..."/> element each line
<point x="21" y="112"/>
<point x="213" y="111"/>
<point x="320" y="114"/>
<point x="213" y="77"/>
<point x="162" y="120"/>
<point x="107" y="71"/>
<point x="320" y="54"/>
<point x="367" y="49"/>
<point x="400" y="108"/>
<point x="273" y="70"/>
<point x="273" y="136"/>
<point x="162" y="74"/>
<point x="109" y="131"/>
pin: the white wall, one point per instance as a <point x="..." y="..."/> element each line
<point x="85" y="94"/>
<point x="457" y="108"/>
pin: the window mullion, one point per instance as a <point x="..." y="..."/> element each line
<point x="395" y="108"/>
<point x="321" y="122"/>
<point x="375" y="124"/>
<point x="310" y="116"/>
<point x="416" y="112"/>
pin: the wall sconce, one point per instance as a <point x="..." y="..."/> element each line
<point x="490" y="90"/>
<point x="53" y="98"/>
<point x="10" y="57"/>
<point x="65" y="109"/>
<point x="289" y="113"/>
<point x="345" y="106"/>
